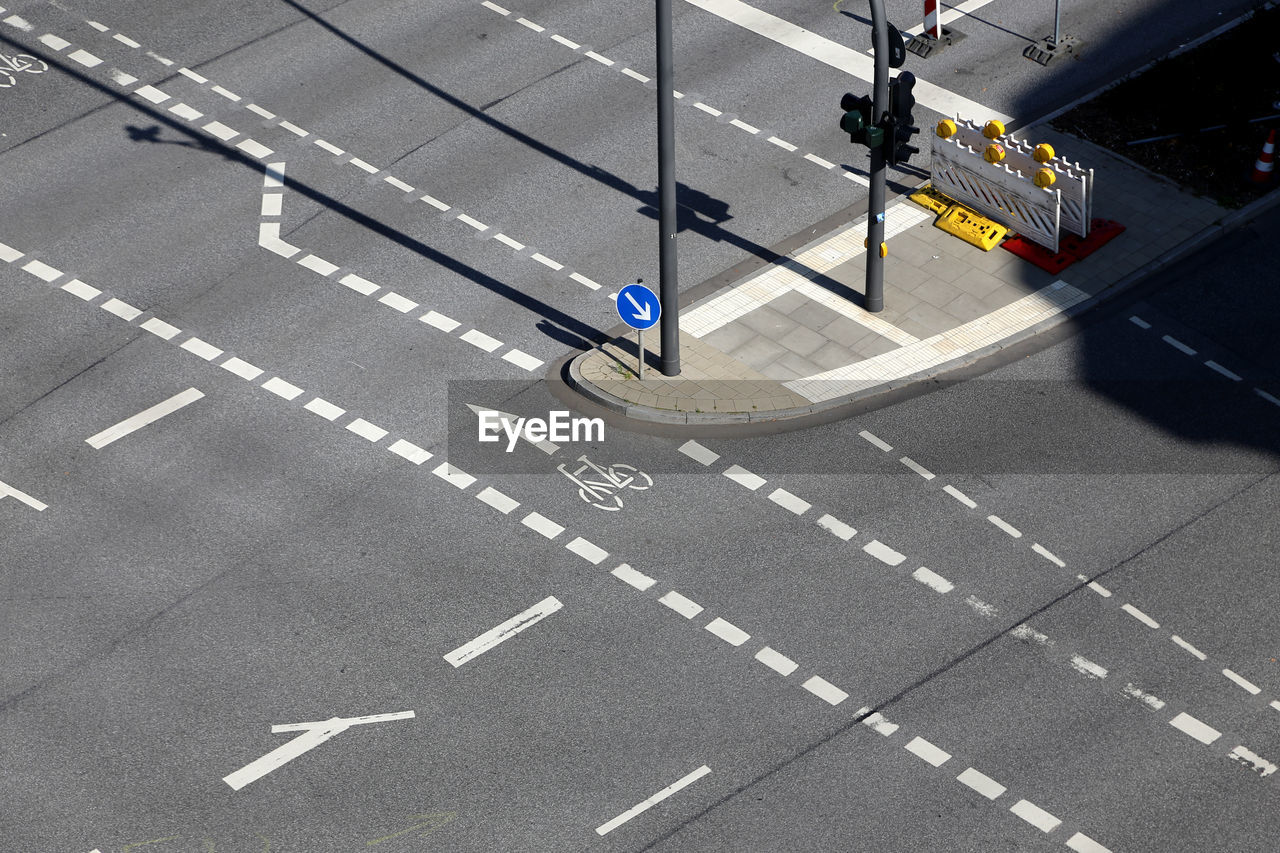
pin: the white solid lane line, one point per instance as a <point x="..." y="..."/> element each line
<point x="505" y="631"/>
<point x="609" y="826"/>
<point x="146" y="416"/>
<point x="840" y="57"/>
<point x="9" y="491"/>
<point x="313" y="734"/>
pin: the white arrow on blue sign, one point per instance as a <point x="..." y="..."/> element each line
<point x="638" y="306"/>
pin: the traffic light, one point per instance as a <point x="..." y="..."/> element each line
<point x="901" y="122"/>
<point x="856" y="121"/>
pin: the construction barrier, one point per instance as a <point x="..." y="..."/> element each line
<point x="1027" y="187"/>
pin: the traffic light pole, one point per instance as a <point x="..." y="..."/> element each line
<point x="668" y="284"/>
<point x="875" y="212"/>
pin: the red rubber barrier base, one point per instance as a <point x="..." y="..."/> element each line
<point x="1070" y="248"/>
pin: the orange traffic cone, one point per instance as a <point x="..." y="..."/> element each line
<point x="1262" y="168"/>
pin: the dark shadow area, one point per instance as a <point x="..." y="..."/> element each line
<point x="550" y="313"/>
<point x="564" y="336"/>
<point x="152" y="134"/>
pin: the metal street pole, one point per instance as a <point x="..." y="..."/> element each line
<point x="668" y="283"/>
<point x="875" y="211"/>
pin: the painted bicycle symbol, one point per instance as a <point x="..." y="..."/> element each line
<point x="600" y="486"/>
<point x="10" y="65"/>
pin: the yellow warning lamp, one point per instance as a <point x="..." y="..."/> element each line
<point x="946" y="128"/>
<point x="1043" y="153"/>
<point x="994" y="129"/>
<point x="994" y="153"/>
<point x="1045" y="177"/>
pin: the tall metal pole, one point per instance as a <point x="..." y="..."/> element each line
<point x="668" y="283"/>
<point x="1057" y="19"/>
<point x="875" y="211"/>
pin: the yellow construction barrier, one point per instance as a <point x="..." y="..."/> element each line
<point x="929" y="198"/>
<point x="972" y="227"/>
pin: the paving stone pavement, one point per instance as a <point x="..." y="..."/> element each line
<point x="792" y="338"/>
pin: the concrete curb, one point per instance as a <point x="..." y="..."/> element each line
<point x="1228" y="223"/>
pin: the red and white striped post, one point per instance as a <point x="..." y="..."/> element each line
<point x="932" y="27"/>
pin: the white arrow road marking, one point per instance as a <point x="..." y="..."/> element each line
<point x="146" y="416"/>
<point x="6" y="490"/>
<point x="618" y="821"/>
<point x="838" y="56"/>
<point x="510" y="420"/>
<point x="313" y="734"/>
<point x="642" y="312"/>
<point x="505" y="631"/>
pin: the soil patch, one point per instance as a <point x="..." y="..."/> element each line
<point x="1228" y="81"/>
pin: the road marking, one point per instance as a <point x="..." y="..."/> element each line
<point x="608" y="826"/>
<point x="531" y="25"/>
<point x="503" y="632"/>
<point x="1213" y="365"/>
<point x="837" y="527"/>
<point x="743" y="477"/>
<point x="1048" y="555"/>
<point x="572" y="45"/>
<point x="1139" y="322"/>
<point x="141" y="419"/>
<point x="684" y="606"/>
<point x="776" y="661"/>
<point x="121" y="309"/>
<point x="1026" y="632"/>
<point x="788" y="501"/>
<point x="324" y="409"/>
<point x="1243" y="682"/>
<point x="1178" y="345"/>
<point x="41" y="270"/>
<point x="883" y="552"/>
<point x="221" y="131"/>
<point x="439" y="321"/>
<point x="1254" y="761"/>
<point x="152" y="94"/>
<point x="982" y="783"/>
<point x="1084" y="666"/>
<point x="1264" y="395"/>
<point x="1099" y="589"/>
<point x="241" y="368"/>
<point x="960" y="496"/>
<point x="877" y="442"/>
<point x="393" y="300"/>
<point x="1005" y="526"/>
<point x="58" y="44"/>
<point x="927" y="752"/>
<point x="917" y="467"/>
<point x="698" y="453"/>
<point x="1082" y="843"/>
<point x="587" y="550"/>
<point x="205" y="350"/>
<point x="230" y="96"/>
<point x="1140" y="616"/>
<point x="838" y="56"/>
<point x="85" y="58"/>
<point x="1149" y="699"/>
<point x="1189" y="725"/>
<point x="541" y="524"/>
<point x="9" y="491"/>
<point x="452" y="475"/>
<point x="480" y="340"/>
<point x="933" y="580"/>
<point x="878" y="724"/>
<point x="1034" y="815"/>
<point x="1190" y="648"/>
<point x="409" y="451"/>
<point x="313" y="734"/>
<point x="628" y="575"/>
<point x="825" y="690"/>
<point x="281" y="388"/>
<point x="366" y="430"/>
<point x="361" y="164"/>
<point x="983" y="609"/>
<point x="727" y="631"/>
<point x="160" y="328"/>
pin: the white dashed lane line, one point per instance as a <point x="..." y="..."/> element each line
<point x="1209" y="363"/>
<point x="697" y="104"/>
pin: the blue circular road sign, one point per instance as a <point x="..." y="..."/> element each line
<point x="638" y="306"/>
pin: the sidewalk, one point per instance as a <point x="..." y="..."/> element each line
<point x="791" y="340"/>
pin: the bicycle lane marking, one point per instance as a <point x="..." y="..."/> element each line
<point x="940" y="585"/>
<point x="269" y="239"/>
<point x="775" y="661"/>
<point x="504" y="504"/>
<point x="692" y="100"/>
<point x="299" y="134"/>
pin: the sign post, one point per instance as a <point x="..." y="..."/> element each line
<point x="639" y="308"/>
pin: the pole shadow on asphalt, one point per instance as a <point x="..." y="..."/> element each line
<point x="551" y="314"/>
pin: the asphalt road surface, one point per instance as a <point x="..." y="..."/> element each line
<point x="266" y="591"/>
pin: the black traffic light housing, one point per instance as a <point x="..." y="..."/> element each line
<point x="857" y="121"/>
<point x="901" y="123"/>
